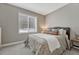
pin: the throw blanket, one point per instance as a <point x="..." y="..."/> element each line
<point x="52" y="41"/>
<point x="43" y="44"/>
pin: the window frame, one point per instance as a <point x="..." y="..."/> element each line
<point x="27" y="31"/>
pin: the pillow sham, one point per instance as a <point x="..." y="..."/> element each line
<point x="54" y="30"/>
<point x="62" y="32"/>
<point x="52" y="33"/>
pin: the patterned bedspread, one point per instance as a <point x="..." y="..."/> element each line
<point x="40" y="46"/>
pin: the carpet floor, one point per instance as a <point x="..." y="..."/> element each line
<point x="20" y="49"/>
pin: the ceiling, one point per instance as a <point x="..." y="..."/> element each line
<point x="41" y="8"/>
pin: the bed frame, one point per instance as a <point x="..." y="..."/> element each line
<point x="65" y="28"/>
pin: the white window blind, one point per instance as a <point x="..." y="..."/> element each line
<point x="27" y="23"/>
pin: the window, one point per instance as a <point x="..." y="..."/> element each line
<point x="27" y="23"/>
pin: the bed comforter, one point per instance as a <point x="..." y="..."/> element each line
<point x="40" y="45"/>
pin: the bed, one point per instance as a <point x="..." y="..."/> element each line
<point x="47" y="44"/>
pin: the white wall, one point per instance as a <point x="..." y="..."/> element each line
<point x="67" y="16"/>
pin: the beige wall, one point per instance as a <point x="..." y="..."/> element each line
<point x="9" y="23"/>
<point x="67" y="16"/>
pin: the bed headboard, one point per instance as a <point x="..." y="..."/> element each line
<point x="65" y="28"/>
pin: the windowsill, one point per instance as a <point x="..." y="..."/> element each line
<point x="23" y="31"/>
<point x="26" y="31"/>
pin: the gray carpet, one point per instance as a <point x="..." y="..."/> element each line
<point x="21" y="50"/>
<point x="73" y="51"/>
<point x="16" y="50"/>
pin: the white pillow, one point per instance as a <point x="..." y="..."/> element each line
<point x="54" y="30"/>
<point x="62" y="32"/>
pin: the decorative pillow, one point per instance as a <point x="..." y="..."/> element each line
<point x="54" y="30"/>
<point x="52" y="33"/>
<point x="62" y="32"/>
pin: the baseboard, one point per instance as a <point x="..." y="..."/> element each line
<point x="13" y="43"/>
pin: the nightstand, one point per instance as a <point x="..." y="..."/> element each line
<point x="75" y="43"/>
